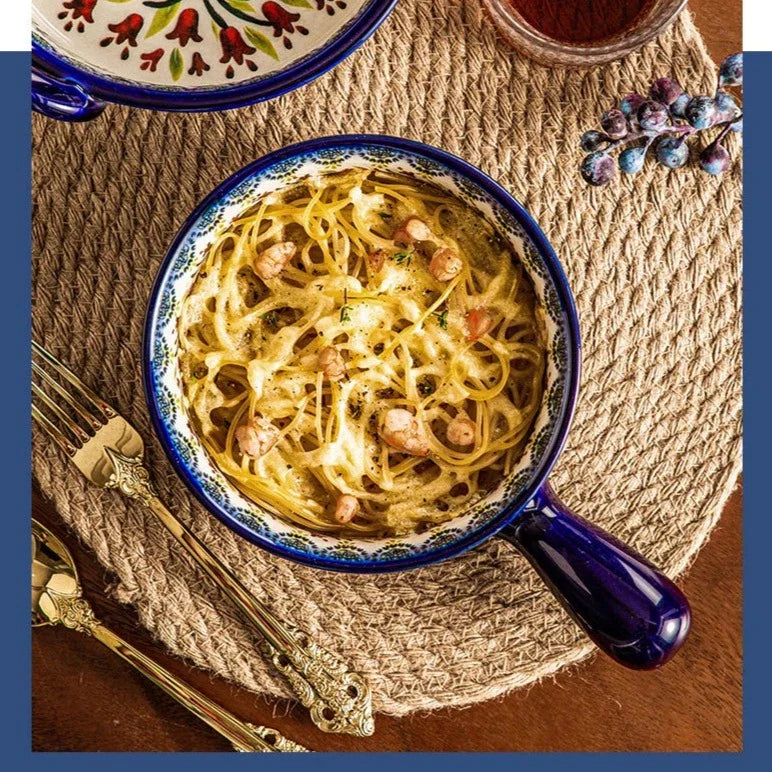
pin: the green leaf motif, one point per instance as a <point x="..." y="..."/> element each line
<point x="161" y="18"/>
<point x="261" y="42"/>
<point x="297" y="3"/>
<point x="175" y="64"/>
<point x="241" y="5"/>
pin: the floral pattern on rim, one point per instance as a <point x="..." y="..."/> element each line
<point x="243" y="32"/>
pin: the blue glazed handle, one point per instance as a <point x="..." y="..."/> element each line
<point x="630" y="610"/>
<point x="61" y="99"/>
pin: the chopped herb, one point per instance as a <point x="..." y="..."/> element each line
<point x="425" y="387"/>
<point x="403" y="257"/>
<point x="270" y="318"/>
<point x="442" y="318"/>
<point x="345" y="311"/>
<point x="356" y="411"/>
<point x="385" y="215"/>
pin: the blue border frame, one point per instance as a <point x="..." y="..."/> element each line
<point x="309" y="68"/>
<point x="14" y="471"/>
<point x="573" y="351"/>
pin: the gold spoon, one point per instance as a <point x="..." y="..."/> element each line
<point x="57" y="599"/>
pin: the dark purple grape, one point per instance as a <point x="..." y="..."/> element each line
<point x="598" y="168"/>
<point x="727" y="108"/>
<point x="672" y="152"/>
<point x="614" y="123"/>
<point x="678" y="108"/>
<point x="731" y="72"/>
<point x="701" y="112"/>
<point x="665" y="91"/>
<point x="652" y="116"/>
<point x="630" y="104"/>
<point x="631" y="160"/>
<point x="593" y="140"/>
<point x="714" y="159"/>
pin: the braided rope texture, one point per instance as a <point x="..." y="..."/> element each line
<point x="654" y="262"/>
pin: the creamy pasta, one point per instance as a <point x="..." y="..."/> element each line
<point x="362" y="353"/>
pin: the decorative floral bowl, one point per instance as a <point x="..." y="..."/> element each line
<point x="628" y="608"/>
<point x="187" y="54"/>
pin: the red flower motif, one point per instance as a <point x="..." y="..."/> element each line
<point x="128" y="29"/>
<point x="281" y="19"/>
<point x="186" y="27"/>
<point x="82" y="8"/>
<point x="151" y="59"/>
<point x="327" y="4"/>
<point x="197" y="65"/>
<point x="233" y="46"/>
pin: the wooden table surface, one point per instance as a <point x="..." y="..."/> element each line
<point x="86" y="699"/>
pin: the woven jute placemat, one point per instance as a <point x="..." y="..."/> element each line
<point x="654" y="263"/>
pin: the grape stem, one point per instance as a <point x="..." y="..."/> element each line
<point x="727" y="128"/>
<point x="682" y="129"/>
<point x="650" y="135"/>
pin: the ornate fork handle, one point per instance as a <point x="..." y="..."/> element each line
<point x="338" y="700"/>
<point x="74" y="612"/>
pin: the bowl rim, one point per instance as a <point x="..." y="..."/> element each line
<point x="310" y="67"/>
<point x="556" y="273"/>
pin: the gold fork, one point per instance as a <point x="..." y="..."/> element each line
<point x="109" y="452"/>
<point x="57" y="599"/>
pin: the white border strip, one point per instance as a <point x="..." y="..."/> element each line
<point x="757" y="25"/>
<point x="15" y="30"/>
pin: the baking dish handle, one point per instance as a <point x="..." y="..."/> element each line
<point x="629" y="609"/>
<point x="61" y="99"/>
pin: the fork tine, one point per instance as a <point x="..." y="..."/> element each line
<point x="68" y="422"/>
<point x="68" y="375"/>
<point x="53" y="432"/>
<point x="93" y="421"/>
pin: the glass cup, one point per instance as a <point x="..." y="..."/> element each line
<point x="555" y="53"/>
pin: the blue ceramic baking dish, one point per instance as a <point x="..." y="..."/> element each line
<point x="630" y="609"/>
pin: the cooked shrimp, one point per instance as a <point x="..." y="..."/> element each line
<point x="412" y="230"/>
<point x="477" y="322"/>
<point x="461" y="431"/>
<point x="445" y="264"/>
<point x="271" y="262"/>
<point x="375" y="260"/>
<point x="402" y="431"/>
<point x="256" y="437"/>
<point x="331" y="363"/>
<point x="346" y="508"/>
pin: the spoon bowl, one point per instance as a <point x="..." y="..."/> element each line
<point x="55" y="585"/>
